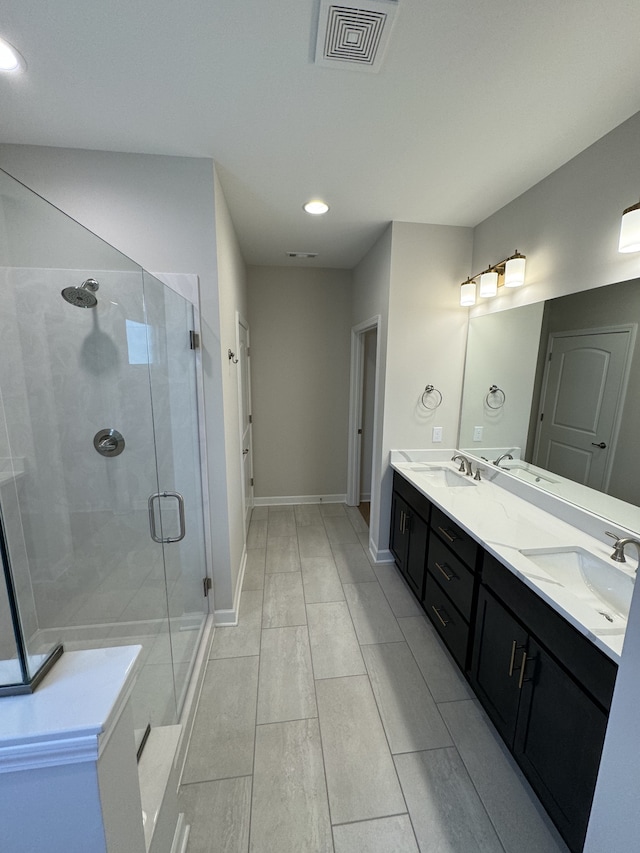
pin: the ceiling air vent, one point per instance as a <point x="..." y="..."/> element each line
<point x="354" y="36"/>
<point x="302" y="255"/>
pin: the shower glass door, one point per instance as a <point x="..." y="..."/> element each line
<point x="88" y="369"/>
<point x="176" y="509"/>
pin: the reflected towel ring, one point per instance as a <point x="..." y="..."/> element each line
<point x="498" y="401"/>
<point x="429" y="401"/>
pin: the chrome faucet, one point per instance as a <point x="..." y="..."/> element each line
<point x="500" y="458"/>
<point x="465" y="465"/>
<point x="619" y="546"/>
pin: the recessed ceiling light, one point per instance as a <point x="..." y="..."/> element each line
<point x="316" y="207"/>
<point x="10" y="58"/>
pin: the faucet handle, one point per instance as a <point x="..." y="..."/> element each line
<point x="618" y="548"/>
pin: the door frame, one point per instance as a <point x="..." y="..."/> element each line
<point x="355" y="410"/>
<point x="241" y="321"/>
<point x="629" y="328"/>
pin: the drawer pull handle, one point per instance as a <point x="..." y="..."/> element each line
<point x="448" y="535"/>
<point x="514" y="646"/>
<point x="444" y="622"/>
<point x="401" y="521"/>
<point x="522" y="666"/>
<point x="443" y="569"/>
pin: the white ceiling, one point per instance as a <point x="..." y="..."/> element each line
<point x="475" y="102"/>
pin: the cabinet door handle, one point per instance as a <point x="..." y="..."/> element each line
<point x="437" y="612"/>
<point x="522" y="666"/>
<point x="443" y="569"/>
<point x="447" y="534"/>
<point x="514" y="646"/>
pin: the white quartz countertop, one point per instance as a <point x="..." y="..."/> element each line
<point x="76" y="704"/>
<point x="504" y="524"/>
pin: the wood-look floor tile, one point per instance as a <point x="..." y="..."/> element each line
<point x="352" y="563"/>
<point x="361" y="777"/>
<point x="218" y="814"/>
<point x="282" y="554"/>
<point x="409" y="715"/>
<point x="372" y="617"/>
<point x="289" y="810"/>
<point x="321" y="580"/>
<point x="285" y="688"/>
<point x="445" y="809"/>
<point x="444" y="680"/>
<point x="401" y="600"/>
<point x="384" y="835"/>
<point x="334" y="646"/>
<point x="283" y="600"/>
<point x="511" y="804"/>
<point x="223" y="733"/>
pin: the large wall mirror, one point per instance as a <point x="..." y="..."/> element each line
<point x="556" y="385"/>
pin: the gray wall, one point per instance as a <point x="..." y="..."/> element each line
<point x="300" y="350"/>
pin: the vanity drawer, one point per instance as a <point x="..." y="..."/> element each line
<point x="412" y="496"/>
<point x="447" y="621"/>
<point x="451" y="574"/>
<point x="454" y="537"/>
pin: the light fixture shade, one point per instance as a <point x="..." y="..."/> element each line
<point x="488" y="284"/>
<point x="514" y="272"/>
<point x="468" y="293"/>
<point x="630" y="230"/>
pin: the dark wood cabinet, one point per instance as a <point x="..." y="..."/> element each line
<point x="553" y="726"/>
<point x="409" y="535"/>
<point x="544" y="685"/>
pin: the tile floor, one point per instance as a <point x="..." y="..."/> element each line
<point x="332" y="719"/>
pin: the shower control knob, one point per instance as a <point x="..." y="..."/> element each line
<point x="108" y="442"/>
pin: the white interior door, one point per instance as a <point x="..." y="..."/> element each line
<point x="244" y="396"/>
<point x="582" y="404"/>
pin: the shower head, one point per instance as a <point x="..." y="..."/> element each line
<point x="83" y="296"/>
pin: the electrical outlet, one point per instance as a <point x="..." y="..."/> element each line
<point x="477" y="433"/>
<point x="436" y="434"/>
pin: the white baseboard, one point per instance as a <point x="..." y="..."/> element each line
<point x="230" y="615"/>
<point x="365" y="496"/>
<point x="289" y="500"/>
<point x="380" y="556"/>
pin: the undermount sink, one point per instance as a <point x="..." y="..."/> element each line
<point x="597" y="583"/>
<point x="438" y="475"/>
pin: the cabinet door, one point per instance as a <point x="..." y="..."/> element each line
<point x="499" y="651"/>
<point x="558" y="742"/>
<point x="399" y="538"/>
<point x="417" y="553"/>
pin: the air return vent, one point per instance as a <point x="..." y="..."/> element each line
<point x="306" y="255"/>
<point x="354" y="36"/>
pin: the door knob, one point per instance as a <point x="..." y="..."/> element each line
<point x="601" y="445"/>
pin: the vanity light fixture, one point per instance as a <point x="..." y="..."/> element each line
<point x="508" y="272"/>
<point x="316" y="207"/>
<point x="630" y="230"/>
<point x="11" y="60"/>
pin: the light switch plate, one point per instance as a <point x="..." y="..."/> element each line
<point x="436" y="434"/>
<point x="477" y="433"/>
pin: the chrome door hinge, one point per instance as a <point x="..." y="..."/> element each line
<point x="248" y="352"/>
<point x="252" y="481"/>
<point x="250" y="419"/>
<point x="206" y="586"/>
<point x="194" y="340"/>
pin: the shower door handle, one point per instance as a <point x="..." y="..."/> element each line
<point x="152" y="517"/>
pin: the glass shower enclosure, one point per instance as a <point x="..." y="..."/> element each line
<point x="102" y="532"/>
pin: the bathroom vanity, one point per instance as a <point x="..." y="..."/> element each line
<point x="503" y="582"/>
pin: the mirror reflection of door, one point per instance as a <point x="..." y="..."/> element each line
<point x="245" y="418"/>
<point x="582" y="402"/>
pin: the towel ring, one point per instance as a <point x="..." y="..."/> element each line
<point x="498" y="401"/>
<point x="427" y="398"/>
